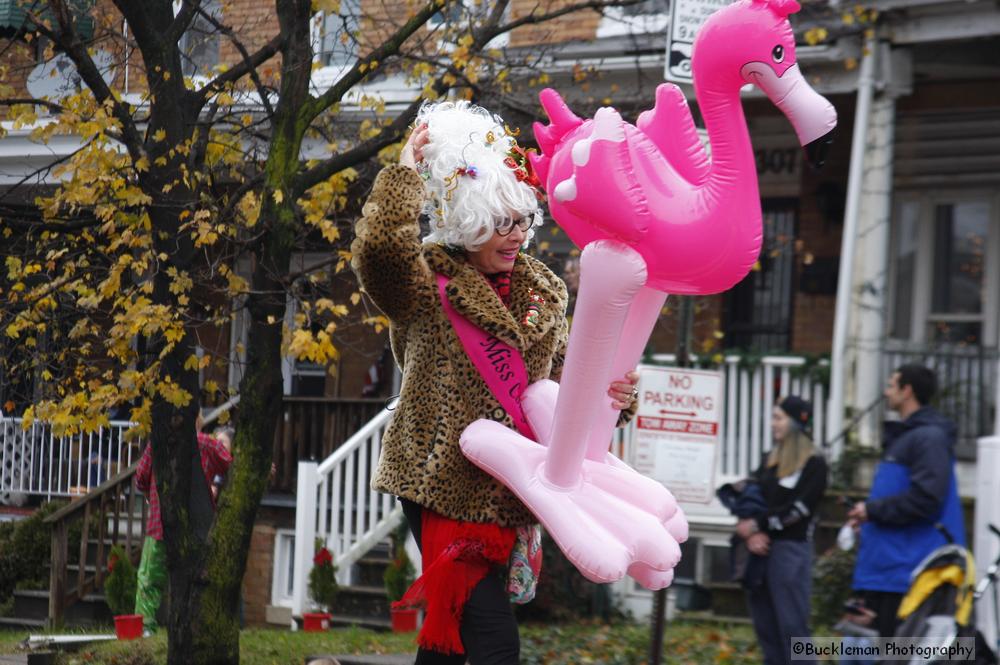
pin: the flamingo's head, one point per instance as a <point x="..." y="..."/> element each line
<point x="554" y="136"/>
<point x="751" y="41"/>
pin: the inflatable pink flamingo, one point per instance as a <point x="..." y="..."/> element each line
<point x="654" y="216"/>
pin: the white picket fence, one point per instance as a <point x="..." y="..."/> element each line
<point x="34" y="461"/>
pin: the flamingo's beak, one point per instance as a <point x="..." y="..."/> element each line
<point x="811" y="114"/>
<point x="816" y="151"/>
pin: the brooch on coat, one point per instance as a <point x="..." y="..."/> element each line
<point x="535" y="303"/>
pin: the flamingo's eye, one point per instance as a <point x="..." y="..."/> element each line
<point x="778" y="53"/>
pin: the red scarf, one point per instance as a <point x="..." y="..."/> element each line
<point x="501" y="284"/>
<point x="456" y="557"/>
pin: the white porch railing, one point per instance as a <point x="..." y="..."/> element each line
<point x="749" y="396"/>
<point x="335" y="503"/>
<point x="34" y="461"/>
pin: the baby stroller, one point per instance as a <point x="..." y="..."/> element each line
<point x="938" y="608"/>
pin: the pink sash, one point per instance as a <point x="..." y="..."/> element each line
<point x="500" y="364"/>
<point x="503" y="370"/>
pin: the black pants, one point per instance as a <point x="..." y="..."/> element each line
<point x="488" y="630"/>
<point x="885" y="604"/>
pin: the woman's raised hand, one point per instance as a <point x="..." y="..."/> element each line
<point x="413" y="151"/>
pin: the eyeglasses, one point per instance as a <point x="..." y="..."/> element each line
<point x="505" y="227"/>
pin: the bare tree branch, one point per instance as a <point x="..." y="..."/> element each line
<point x="248" y="64"/>
<point x="69" y="41"/>
<point x="368" y="64"/>
<point x="51" y="106"/>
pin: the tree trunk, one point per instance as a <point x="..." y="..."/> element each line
<point x="208" y="634"/>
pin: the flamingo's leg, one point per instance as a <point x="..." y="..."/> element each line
<point x="611" y="274"/>
<point x="642" y="316"/>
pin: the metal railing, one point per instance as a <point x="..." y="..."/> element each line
<point x="967" y="378"/>
<point x="335" y="504"/>
<point x="34" y="461"/>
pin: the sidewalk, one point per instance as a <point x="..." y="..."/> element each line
<point x="401" y="659"/>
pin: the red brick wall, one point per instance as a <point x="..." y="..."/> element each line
<point x="581" y="25"/>
<point x="258" y="577"/>
<point x="255" y="23"/>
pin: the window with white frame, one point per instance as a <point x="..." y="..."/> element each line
<point x="199" y="45"/>
<point x="335" y="34"/>
<point x="459" y="15"/>
<point x="304" y="378"/>
<point x="283" y="578"/>
<point x="643" y="18"/>
<point x="647" y="7"/>
<point x="945" y="251"/>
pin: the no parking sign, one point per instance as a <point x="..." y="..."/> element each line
<point x="677" y="430"/>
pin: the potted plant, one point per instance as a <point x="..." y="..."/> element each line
<point x="322" y="589"/>
<point x="398" y="577"/>
<point x="119" y="592"/>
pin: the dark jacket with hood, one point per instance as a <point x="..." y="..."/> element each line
<point x="914" y="489"/>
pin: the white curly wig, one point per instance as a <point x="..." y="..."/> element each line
<point x="469" y="186"/>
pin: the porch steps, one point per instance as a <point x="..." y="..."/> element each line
<point x="31" y="608"/>
<point x="365" y="603"/>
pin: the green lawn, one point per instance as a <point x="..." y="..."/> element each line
<point x="566" y="644"/>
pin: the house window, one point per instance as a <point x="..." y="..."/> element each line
<point x="905" y="258"/>
<point x="759" y="308"/>
<point x="647" y="7"/>
<point x="283" y="579"/>
<point x="336" y="35"/>
<point x="463" y="16"/>
<point x="451" y="15"/>
<point x="199" y="45"/>
<point x="944" y="253"/>
<point x="961" y="231"/>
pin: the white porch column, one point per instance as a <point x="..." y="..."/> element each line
<point x="305" y="535"/>
<point x="987" y="545"/>
<point x="871" y="270"/>
<point x="839" y="361"/>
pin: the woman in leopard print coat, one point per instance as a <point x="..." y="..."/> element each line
<point x="452" y="169"/>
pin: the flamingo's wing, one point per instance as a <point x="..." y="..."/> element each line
<point x="670" y="126"/>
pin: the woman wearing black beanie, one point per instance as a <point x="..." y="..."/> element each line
<point x="792" y="481"/>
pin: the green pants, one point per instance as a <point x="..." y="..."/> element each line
<point x="151" y="581"/>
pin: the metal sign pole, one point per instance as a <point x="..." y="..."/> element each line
<point x="660" y="597"/>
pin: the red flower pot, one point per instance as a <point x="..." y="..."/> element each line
<point x="315" y="622"/>
<point x="404" y="621"/>
<point x="128" y="626"/>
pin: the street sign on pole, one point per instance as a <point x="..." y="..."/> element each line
<point x="677" y="430"/>
<point x="686" y="16"/>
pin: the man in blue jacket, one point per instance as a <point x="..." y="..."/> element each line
<point x="914" y="490"/>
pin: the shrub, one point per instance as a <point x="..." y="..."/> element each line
<point x="25" y="551"/>
<point x="323" y="577"/>
<point x="831" y="585"/>
<point x="400" y="573"/>
<point x="120" y="586"/>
